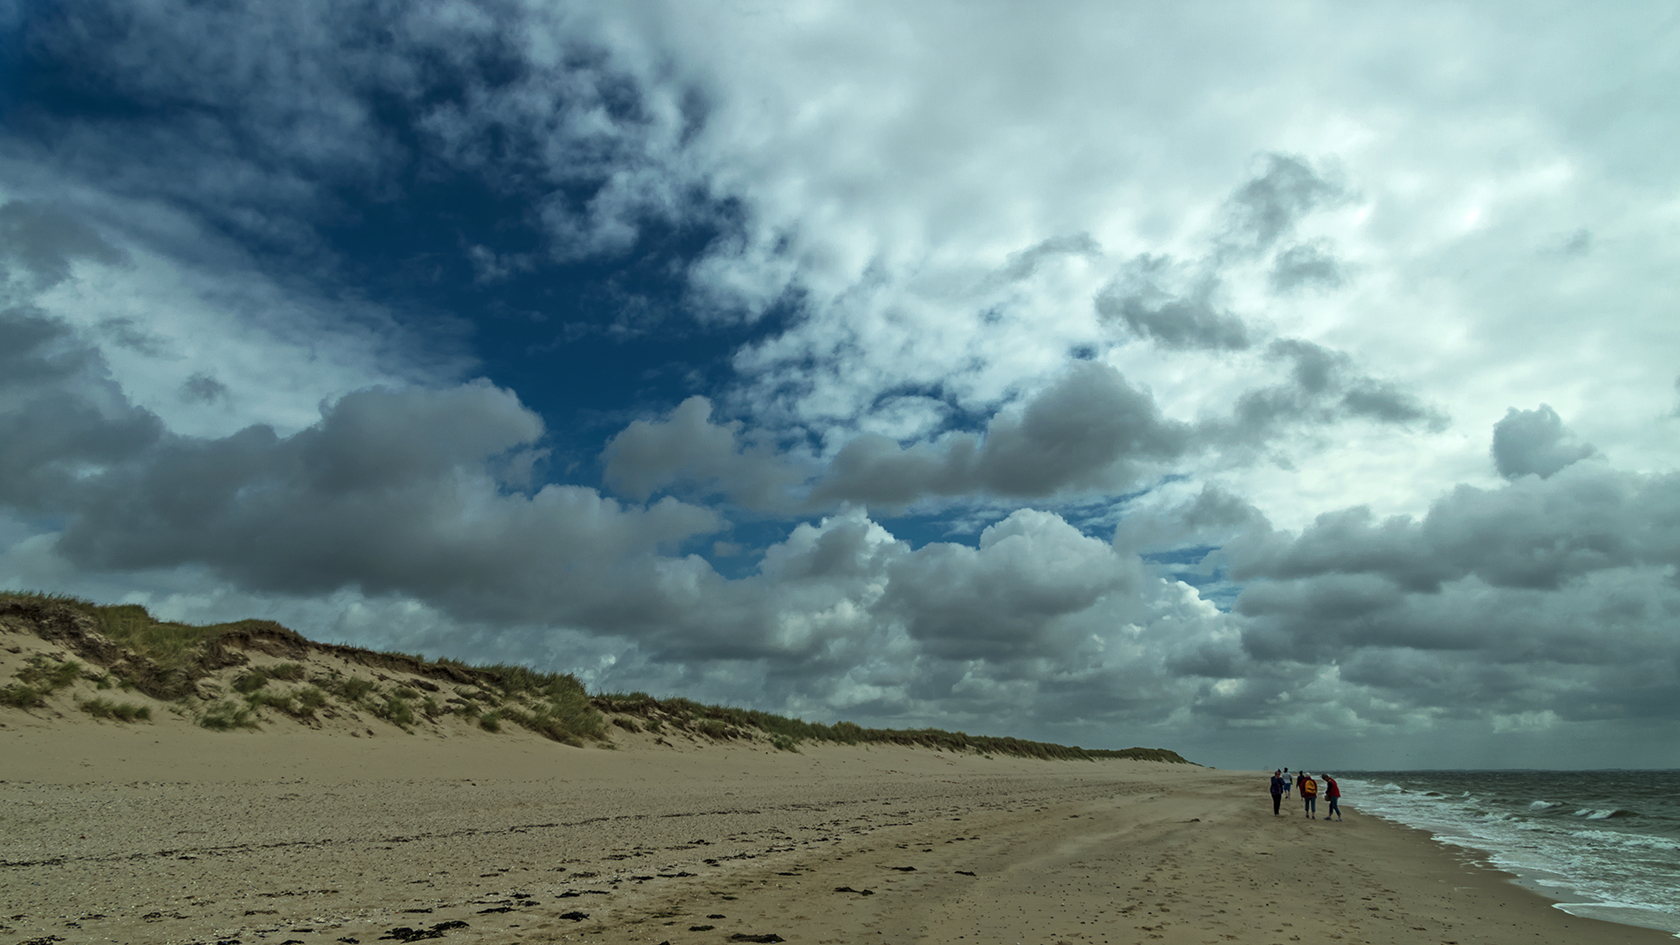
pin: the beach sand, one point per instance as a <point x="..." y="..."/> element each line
<point x="147" y="833"/>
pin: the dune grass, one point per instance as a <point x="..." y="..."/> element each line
<point x="167" y="644"/>
<point x="727" y="722"/>
<point x="115" y="711"/>
<point x="554" y="705"/>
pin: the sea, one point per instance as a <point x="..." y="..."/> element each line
<point x="1603" y="844"/>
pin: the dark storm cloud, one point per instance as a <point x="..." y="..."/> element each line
<point x="1324" y="387"/>
<point x="1268" y="207"/>
<point x="1475" y="651"/>
<point x="1177" y="305"/>
<point x="1534" y="442"/>
<point x="1545" y="595"/>
<point x="391" y="492"/>
<point x="1179" y="322"/>
<point x="687" y="447"/>
<point x="1305" y="264"/>
<point x="202" y="388"/>
<point x="1088" y="430"/>
<point x="60" y="414"/>
<point x="1025" y="263"/>
<point x="44" y="241"/>
<point x="125" y="333"/>
<point x="1532" y="533"/>
<point x="1209" y="520"/>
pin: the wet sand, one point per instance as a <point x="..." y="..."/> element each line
<point x="154" y="834"/>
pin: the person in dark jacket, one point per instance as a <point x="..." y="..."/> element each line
<point x="1278" y="782"/>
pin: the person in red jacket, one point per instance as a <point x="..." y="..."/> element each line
<point x="1333" y="794"/>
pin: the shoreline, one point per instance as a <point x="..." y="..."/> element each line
<point x="137" y="834"/>
<point x="1555" y="889"/>
<point x="1531" y="888"/>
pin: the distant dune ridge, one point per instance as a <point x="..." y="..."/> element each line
<point x="59" y="655"/>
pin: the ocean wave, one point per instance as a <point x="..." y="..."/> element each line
<point x="1604" y="814"/>
<point x="1618" y="838"/>
<point x="1568" y="832"/>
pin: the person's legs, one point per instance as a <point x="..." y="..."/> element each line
<point x="1277" y="802"/>
<point x="1335" y="808"/>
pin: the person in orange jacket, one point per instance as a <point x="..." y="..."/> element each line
<point x="1309" y="794"/>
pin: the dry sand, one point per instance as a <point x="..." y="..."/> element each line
<point x="152" y="833"/>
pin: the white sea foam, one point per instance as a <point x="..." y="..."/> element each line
<point x="1624" y="865"/>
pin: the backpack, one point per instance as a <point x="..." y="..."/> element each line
<point x="1309" y="788"/>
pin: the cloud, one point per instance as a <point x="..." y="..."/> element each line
<point x="203" y="388"/>
<point x="1305" y="264"/>
<point x="1268" y="207"/>
<point x="1323" y="388"/>
<point x="1544" y="594"/>
<point x="1531" y="533"/>
<point x="1471" y="651"/>
<point x="1001" y="599"/>
<point x="1023" y="264"/>
<point x="44" y="242"/>
<point x="244" y="293"/>
<point x="60" y="415"/>
<point x="650" y="455"/>
<point x="1088" y="430"/>
<point x="1535" y="442"/>
<point x="392" y="492"/>
<point x="1177" y="322"/>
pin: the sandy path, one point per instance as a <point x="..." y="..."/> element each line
<point x="129" y="835"/>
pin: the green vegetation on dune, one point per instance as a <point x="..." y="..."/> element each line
<point x="173" y="662"/>
<point x="725" y="722"/>
<point x="120" y="712"/>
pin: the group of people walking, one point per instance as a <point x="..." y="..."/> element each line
<point x="1308" y="786"/>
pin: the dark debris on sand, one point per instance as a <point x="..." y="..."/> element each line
<point x="403" y="933"/>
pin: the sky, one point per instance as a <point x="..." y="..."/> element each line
<point x="1285" y="384"/>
